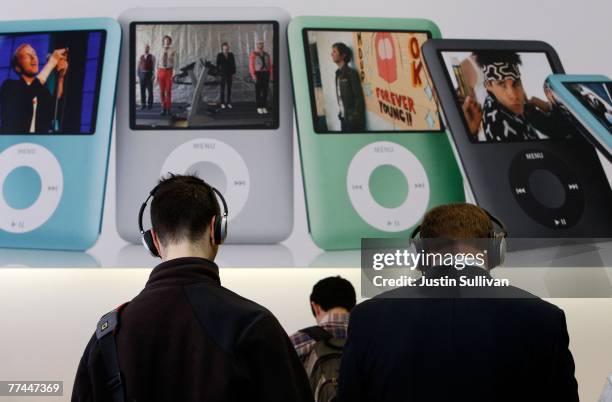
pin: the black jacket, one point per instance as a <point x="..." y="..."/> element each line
<point x="349" y="85"/>
<point x="186" y="338"/>
<point x="16" y="107"/>
<point x="226" y="65"/>
<point x="415" y="346"/>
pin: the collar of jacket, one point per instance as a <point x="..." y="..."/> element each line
<point x="183" y="271"/>
<point x="342" y="70"/>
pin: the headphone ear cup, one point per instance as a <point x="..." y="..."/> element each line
<point x="503" y="246"/>
<point x="149" y="244"/>
<point x="223" y="229"/>
<point x="497" y="250"/>
<point x="492" y="252"/>
<point x="220" y="229"/>
<point x="418" y="245"/>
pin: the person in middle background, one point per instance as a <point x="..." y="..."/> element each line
<point x="260" y="67"/>
<point x="165" y="70"/>
<point x="226" y="64"/>
<point x="331" y="301"/>
<point x="320" y="347"/>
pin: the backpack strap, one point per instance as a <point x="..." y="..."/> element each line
<point x="105" y="334"/>
<point x="317" y="333"/>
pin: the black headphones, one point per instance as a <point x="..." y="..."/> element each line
<point x="496" y="251"/>
<point x="220" y="229"/>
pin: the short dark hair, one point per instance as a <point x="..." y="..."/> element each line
<point x="456" y="221"/>
<point x="486" y="57"/>
<point x="168" y="37"/>
<point x="345" y="51"/>
<point x="182" y="208"/>
<point x="224" y="44"/>
<point x="332" y="292"/>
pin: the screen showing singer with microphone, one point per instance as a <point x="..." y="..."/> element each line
<point x="49" y="82"/>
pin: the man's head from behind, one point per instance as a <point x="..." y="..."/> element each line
<point x="332" y="294"/>
<point x="183" y="214"/>
<point x="456" y="228"/>
<point x="502" y="78"/>
<point x="456" y="221"/>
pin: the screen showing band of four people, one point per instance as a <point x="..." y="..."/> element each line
<point x="204" y="75"/>
<point x="503" y="96"/>
<point x="369" y="81"/>
<point x="49" y="82"/>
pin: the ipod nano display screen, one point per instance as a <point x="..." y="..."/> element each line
<point x="204" y="75"/>
<point x="50" y="81"/>
<point x="369" y="81"/>
<point x="596" y="97"/>
<point x="503" y="97"/>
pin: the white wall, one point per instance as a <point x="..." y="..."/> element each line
<point x="48" y="315"/>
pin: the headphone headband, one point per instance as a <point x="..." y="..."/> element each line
<point x="143" y="207"/>
<point x="225" y="210"/>
<point x="416" y="231"/>
<point x="498" y="222"/>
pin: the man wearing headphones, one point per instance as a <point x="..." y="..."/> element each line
<point x="452" y="343"/>
<point x="184" y="337"/>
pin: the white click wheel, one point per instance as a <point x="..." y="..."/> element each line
<point x="31" y="185"/>
<point x="217" y="163"/>
<point x="388" y="186"/>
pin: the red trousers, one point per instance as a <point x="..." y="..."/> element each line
<point x="164" y="78"/>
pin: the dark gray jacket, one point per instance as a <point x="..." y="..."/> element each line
<point x="351" y="93"/>
<point x="186" y="338"/>
<point x="433" y="344"/>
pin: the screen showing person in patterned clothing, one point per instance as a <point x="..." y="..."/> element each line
<point x="503" y="96"/>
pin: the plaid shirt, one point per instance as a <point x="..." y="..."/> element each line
<point x="334" y="323"/>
